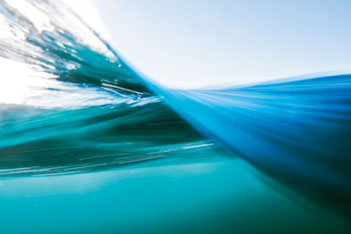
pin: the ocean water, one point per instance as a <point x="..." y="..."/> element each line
<point x="89" y="144"/>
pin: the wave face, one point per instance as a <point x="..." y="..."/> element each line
<point x="296" y="131"/>
<point x="70" y="104"/>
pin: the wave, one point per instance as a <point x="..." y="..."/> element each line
<point x="70" y="103"/>
<point x="296" y="131"/>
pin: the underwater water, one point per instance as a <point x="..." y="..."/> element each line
<point x="88" y="144"/>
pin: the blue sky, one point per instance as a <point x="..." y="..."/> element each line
<point x="203" y="43"/>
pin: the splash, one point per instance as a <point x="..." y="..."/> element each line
<point x="70" y="104"/>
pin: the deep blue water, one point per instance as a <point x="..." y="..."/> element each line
<point x="87" y="143"/>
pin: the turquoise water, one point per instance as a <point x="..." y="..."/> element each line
<point x="201" y="196"/>
<point x="88" y="144"/>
